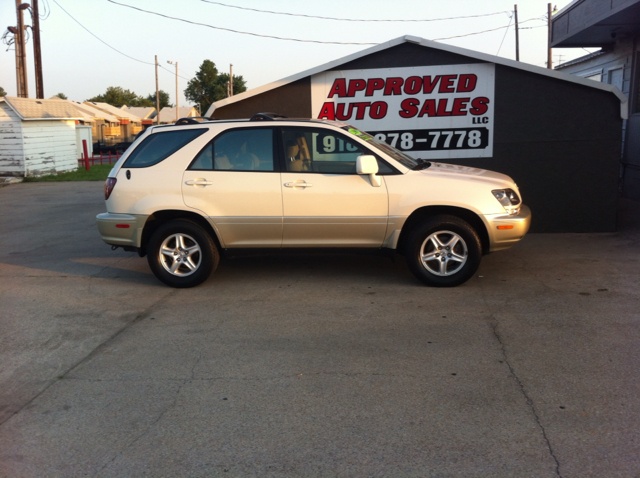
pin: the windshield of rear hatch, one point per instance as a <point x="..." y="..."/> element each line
<point x="403" y="158"/>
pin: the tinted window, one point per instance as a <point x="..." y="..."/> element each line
<point x="238" y="150"/>
<point x="396" y="154"/>
<point x="160" y="146"/>
<point x="322" y="151"/>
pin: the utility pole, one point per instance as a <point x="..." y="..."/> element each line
<point x="16" y="49"/>
<point x="21" y="54"/>
<point x="157" y="95"/>
<point x="177" y="100"/>
<point x="231" y="79"/>
<point x="515" y="12"/>
<point x="37" y="52"/>
<point x="550" y="36"/>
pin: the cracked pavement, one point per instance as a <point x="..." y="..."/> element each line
<point x="313" y="365"/>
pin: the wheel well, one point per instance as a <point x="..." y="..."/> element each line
<point x="160" y="217"/>
<point x="423" y="213"/>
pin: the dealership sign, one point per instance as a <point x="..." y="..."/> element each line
<point x="430" y="112"/>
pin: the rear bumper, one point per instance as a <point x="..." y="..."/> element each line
<point x="121" y="229"/>
<point x="506" y="230"/>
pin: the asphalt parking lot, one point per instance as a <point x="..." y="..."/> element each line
<point x="313" y="365"/>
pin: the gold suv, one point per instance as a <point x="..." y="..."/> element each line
<point x="186" y="192"/>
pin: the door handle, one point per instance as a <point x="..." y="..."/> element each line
<point x="198" y="182"/>
<point x="298" y="184"/>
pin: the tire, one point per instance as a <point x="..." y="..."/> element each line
<point x="443" y="251"/>
<point x="182" y="254"/>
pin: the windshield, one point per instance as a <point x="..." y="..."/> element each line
<point x="404" y="159"/>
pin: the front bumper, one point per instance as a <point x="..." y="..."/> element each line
<point x="121" y="229"/>
<point x="506" y="230"/>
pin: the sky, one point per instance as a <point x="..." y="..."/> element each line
<point x="79" y="56"/>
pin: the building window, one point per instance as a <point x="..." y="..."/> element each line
<point x="616" y="77"/>
<point x="595" y="75"/>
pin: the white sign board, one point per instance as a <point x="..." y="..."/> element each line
<point x="430" y="112"/>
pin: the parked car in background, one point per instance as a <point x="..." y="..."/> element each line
<point x="117" y="148"/>
<point x="187" y="192"/>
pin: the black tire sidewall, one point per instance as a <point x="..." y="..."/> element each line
<point x="208" y="251"/>
<point x="443" y="223"/>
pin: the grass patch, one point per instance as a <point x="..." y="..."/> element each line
<point x="99" y="172"/>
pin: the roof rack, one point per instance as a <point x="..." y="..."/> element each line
<point x="194" y="120"/>
<point x="266" y="117"/>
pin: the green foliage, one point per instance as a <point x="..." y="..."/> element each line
<point x="98" y="172"/>
<point x="62" y="95"/>
<point x="164" y="99"/>
<point x="116" y="96"/>
<point x="209" y="86"/>
<point x="2" y="92"/>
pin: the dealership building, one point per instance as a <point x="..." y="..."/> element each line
<point x="557" y="135"/>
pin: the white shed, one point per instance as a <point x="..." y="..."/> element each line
<point x="37" y="137"/>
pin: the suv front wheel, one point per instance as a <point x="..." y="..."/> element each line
<point x="443" y="251"/>
<point x="182" y="254"/>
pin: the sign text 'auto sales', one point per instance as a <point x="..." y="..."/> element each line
<point x="437" y="107"/>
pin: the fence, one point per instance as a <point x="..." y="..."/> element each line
<point x="99" y="159"/>
<point x="91" y="161"/>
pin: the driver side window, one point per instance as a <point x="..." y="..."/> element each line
<point x="318" y="150"/>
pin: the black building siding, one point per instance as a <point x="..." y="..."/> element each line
<point x="292" y="100"/>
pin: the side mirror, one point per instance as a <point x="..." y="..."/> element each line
<point x="367" y="164"/>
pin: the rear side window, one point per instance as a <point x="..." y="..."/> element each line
<point x="160" y="146"/>
<point x="242" y="149"/>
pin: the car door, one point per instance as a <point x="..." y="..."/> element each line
<point x="325" y="203"/>
<point x="234" y="182"/>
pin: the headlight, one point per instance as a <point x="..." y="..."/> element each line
<point x="509" y="200"/>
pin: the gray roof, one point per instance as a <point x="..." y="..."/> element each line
<point x="31" y="109"/>
<point x="115" y="111"/>
<point x="624" y="102"/>
<point x="582" y="59"/>
<point x="95" y="112"/>
<point x="86" y="117"/>
<point x="144" y="112"/>
<point x="168" y="115"/>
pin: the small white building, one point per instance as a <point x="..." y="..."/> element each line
<point x="37" y="137"/>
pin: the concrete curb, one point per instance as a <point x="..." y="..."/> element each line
<point x="6" y="181"/>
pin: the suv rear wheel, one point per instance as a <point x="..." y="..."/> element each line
<point x="443" y="251"/>
<point x="182" y="254"/>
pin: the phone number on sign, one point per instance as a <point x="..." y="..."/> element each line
<point x="435" y="139"/>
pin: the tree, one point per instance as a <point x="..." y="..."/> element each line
<point x="208" y="86"/>
<point x="164" y="99"/>
<point x="2" y="92"/>
<point x="116" y="96"/>
<point x="62" y="96"/>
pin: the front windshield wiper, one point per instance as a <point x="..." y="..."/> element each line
<point x="422" y="164"/>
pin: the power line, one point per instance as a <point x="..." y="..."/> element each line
<point x="46" y="11"/>
<point x="291" y="39"/>
<point x="349" y="19"/>
<point x="173" y="73"/>
<point x="115" y="49"/>
<point x="486" y="31"/>
<point x="98" y="38"/>
<point x="473" y="33"/>
<point x="505" y="35"/>
<point x="235" y="31"/>
<point x="258" y="35"/>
